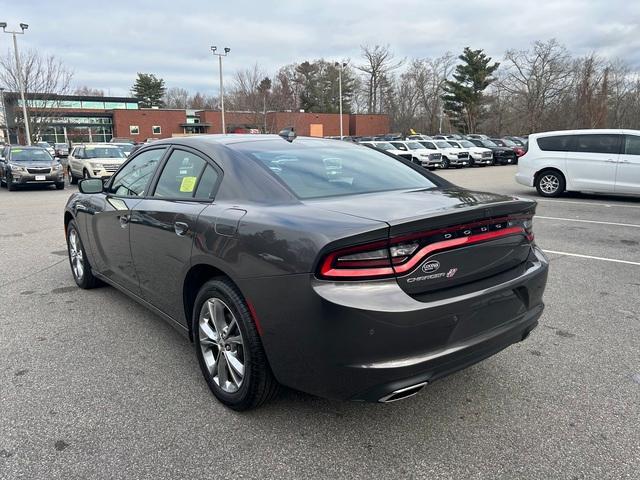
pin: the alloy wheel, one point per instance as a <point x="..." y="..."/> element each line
<point x="222" y="345"/>
<point x="549" y="184"/>
<point x="75" y="253"/>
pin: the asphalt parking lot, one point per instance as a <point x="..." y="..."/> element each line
<point x="92" y="385"/>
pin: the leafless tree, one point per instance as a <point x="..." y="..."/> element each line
<point x="88" y="91"/>
<point x="43" y="75"/>
<point x="176" y="97"/>
<point x="379" y="63"/>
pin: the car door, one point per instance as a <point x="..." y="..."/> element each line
<point x="162" y="226"/>
<point x="628" y="173"/>
<point x="592" y="161"/>
<point x="74" y="161"/>
<point x="109" y="227"/>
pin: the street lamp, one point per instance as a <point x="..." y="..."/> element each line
<point x="4" y="114"/>
<point x="340" y="66"/>
<point x="23" y="27"/>
<point x="220" y="55"/>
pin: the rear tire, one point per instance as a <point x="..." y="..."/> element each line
<point x="550" y="183"/>
<point x="219" y="306"/>
<point x="80" y="266"/>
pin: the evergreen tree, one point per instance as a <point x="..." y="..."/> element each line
<point x="464" y="96"/>
<point x="149" y="90"/>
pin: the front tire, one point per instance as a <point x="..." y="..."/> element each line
<point x="10" y="186"/>
<point x="445" y="163"/>
<point x="80" y="266"/>
<point x="85" y="174"/>
<point x="229" y="349"/>
<point x="60" y="186"/>
<point x="550" y="183"/>
<point x="72" y="179"/>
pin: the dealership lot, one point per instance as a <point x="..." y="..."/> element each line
<point x="94" y="385"/>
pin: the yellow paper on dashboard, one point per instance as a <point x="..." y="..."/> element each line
<point x="188" y="184"/>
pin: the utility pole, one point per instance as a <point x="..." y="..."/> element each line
<point x="220" y="55"/>
<point x="4" y="115"/>
<point x="340" y="66"/>
<point x="23" y="27"/>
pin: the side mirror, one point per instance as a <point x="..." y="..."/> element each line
<point x="91" y="185"/>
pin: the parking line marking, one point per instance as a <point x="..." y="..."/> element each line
<point x="608" y="205"/>
<point x="588" y="221"/>
<point x="614" y="260"/>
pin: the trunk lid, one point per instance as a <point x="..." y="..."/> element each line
<point x="458" y="236"/>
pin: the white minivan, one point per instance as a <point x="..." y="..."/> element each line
<point x="599" y="161"/>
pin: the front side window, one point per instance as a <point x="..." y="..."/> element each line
<point x="443" y="144"/>
<point x="632" y="144"/>
<point x="399" y="146"/>
<point x="317" y="169"/>
<point x="428" y="145"/>
<point x="414" y="146"/>
<point x="133" y="178"/>
<point x="134" y="129"/>
<point x="597" y="143"/>
<point x="180" y="175"/>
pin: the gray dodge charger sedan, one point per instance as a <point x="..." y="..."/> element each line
<point x="321" y="265"/>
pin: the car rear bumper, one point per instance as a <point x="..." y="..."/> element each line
<point x="524" y="179"/>
<point x="362" y="341"/>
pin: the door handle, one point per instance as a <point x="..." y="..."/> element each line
<point x="180" y="228"/>
<point x="124" y="220"/>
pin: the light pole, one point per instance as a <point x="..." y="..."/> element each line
<point x="340" y="66"/>
<point x="23" y="27"/>
<point x="220" y="55"/>
<point x="4" y="114"/>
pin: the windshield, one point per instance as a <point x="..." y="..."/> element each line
<point x="466" y="144"/>
<point x="488" y="143"/>
<point x="126" y="148"/>
<point x="509" y="143"/>
<point x="384" y="146"/>
<point x="103" y="152"/>
<point x="443" y="144"/>
<point x="414" y="146"/>
<point x="317" y="169"/>
<point x="454" y="144"/>
<point x="30" y="155"/>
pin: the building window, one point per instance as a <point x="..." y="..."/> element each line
<point x="134" y="130"/>
<point x="156" y="130"/>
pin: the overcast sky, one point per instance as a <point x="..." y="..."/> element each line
<point x="106" y="42"/>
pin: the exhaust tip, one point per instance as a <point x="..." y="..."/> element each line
<point x="403" y="393"/>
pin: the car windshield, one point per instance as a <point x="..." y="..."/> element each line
<point x="384" y="146"/>
<point x="414" y="146"/>
<point x="488" y="143"/>
<point x="313" y="169"/>
<point x="443" y="144"/>
<point x="454" y="144"/>
<point x="103" y="152"/>
<point x="466" y="144"/>
<point x="126" y="147"/>
<point x="30" y="155"/>
<point x="509" y="143"/>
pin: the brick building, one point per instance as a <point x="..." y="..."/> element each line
<point x="59" y="119"/>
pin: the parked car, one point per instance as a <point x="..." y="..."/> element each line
<point x="342" y="272"/>
<point x="448" y="137"/>
<point x="29" y="166"/>
<point x="127" y="148"/>
<point x="477" y="155"/>
<point x="599" y="161"/>
<point x="451" y="156"/>
<point x="121" y="140"/>
<point x="61" y="150"/>
<point x="476" y="136"/>
<point x="505" y="142"/>
<point x="93" y="160"/>
<point x="419" y="154"/>
<point x="521" y="142"/>
<point x="501" y="155"/>
<point x="389" y="148"/>
<point x="47" y="146"/>
<point x="419" y="137"/>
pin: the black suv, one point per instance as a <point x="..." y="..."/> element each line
<point x="501" y="155"/>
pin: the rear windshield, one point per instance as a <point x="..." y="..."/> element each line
<point x="317" y="169"/>
<point x="30" y="155"/>
<point x="103" y="152"/>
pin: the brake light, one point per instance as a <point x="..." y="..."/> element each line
<point x="401" y="254"/>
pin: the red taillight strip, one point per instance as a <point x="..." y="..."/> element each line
<point x="455" y="242"/>
<point x="327" y="269"/>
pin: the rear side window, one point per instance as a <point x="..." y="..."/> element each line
<point x="557" y="143"/>
<point x="133" y="178"/>
<point x="597" y="143"/>
<point x="632" y="145"/>
<point x="180" y="175"/>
